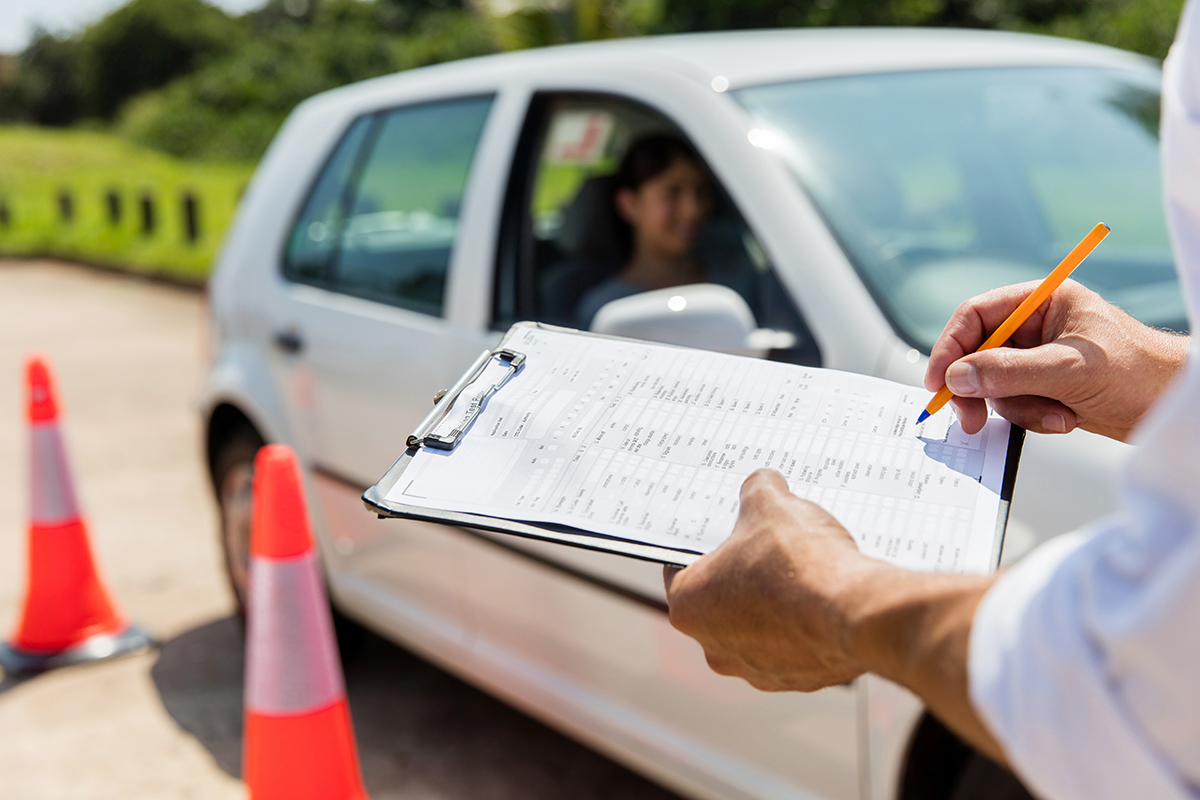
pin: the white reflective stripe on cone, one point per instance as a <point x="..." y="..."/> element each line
<point x="292" y="665"/>
<point x="51" y="491"/>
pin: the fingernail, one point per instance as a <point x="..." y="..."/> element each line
<point x="963" y="379"/>
<point x="1055" y="422"/>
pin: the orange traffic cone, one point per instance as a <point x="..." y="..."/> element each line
<point x="68" y="617"/>
<point x="299" y="741"/>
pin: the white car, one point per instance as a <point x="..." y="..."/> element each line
<point x="866" y="182"/>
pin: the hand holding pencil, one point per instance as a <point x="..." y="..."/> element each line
<point x="1078" y="361"/>
<point x="1024" y="311"/>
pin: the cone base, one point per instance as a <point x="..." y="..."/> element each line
<point x="303" y="757"/>
<point x="19" y="661"/>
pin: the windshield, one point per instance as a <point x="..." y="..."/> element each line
<point x="942" y="185"/>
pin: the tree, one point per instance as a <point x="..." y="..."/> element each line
<point x="1145" y="26"/>
<point x="540" y="24"/>
<point x="740" y="14"/>
<point x="231" y="108"/>
<point x="46" y="89"/>
<point x="146" y="44"/>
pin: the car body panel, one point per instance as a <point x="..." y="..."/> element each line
<point x="534" y="620"/>
<point x="239" y="378"/>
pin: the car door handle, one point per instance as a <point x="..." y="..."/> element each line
<point x="289" y="341"/>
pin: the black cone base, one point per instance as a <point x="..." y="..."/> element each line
<point x="18" y="661"/>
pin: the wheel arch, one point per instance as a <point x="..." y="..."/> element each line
<point x="225" y="421"/>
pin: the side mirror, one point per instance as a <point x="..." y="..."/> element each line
<point x="702" y="315"/>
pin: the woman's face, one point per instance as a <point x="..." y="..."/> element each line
<point x="668" y="212"/>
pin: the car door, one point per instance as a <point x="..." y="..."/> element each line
<point x="584" y="637"/>
<point x="363" y="345"/>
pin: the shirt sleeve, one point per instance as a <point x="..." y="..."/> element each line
<point x="1060" y="648"/>
<point x="1085" y="658"/>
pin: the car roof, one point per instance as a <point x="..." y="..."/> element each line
<point x="749" y="58"/>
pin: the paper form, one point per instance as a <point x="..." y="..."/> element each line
<point x="649" y="443"/>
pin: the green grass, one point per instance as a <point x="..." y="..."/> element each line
<point x="557" y="184"/>
<point x="37" y="164"/>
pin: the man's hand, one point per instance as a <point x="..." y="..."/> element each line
<point x="789" y="603"/>
<point x="1079" y="361"/>
<point x="765" y="603"/>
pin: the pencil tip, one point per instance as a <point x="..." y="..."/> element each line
<point x="924" y="416"/>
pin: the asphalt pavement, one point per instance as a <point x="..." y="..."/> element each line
<point x="129" y="359"/>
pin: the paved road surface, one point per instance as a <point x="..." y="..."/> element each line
<point x="167" y="724"/>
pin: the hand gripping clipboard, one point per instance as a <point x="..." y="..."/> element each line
<point x="444" y="428"/>
<point x="426" y="435"/>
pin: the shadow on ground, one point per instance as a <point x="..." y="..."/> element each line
<point x="199" y="678"/>
<point x="10" y="682"/>
<point x="421" y="732"/>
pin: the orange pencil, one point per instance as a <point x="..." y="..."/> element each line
<point x="1026" y="309"/>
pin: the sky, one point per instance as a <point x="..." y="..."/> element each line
<point x="20" y="18"/>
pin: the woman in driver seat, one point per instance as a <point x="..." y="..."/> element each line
<point x="662" y="200"/>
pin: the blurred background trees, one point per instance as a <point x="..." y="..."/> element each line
<point x="1145" y="26"/>
<point x="184" y="77"/>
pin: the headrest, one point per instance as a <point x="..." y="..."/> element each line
<point x="589" y="222"/>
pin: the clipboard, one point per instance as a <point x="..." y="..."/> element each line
<point x="427" y="434"/>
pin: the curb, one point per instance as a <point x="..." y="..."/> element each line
<point x="158" y="277"/>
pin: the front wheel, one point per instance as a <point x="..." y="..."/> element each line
<point x="233" y="477"/>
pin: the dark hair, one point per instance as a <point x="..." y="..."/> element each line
<point x="649" y="157"/>
<point x="645" y="159"/>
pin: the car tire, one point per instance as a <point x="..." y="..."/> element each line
<point x="233" y="481"/>
<point x="984" y="779"/>
<point x="940" y="766"/>
<point x="233" y="478"/>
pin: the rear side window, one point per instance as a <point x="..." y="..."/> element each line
<point x="382" y="218"/>
<point x="314" y="239"/>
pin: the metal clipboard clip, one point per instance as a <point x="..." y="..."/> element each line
<point x="424" y="436"/>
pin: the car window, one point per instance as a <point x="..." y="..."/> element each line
<point x="315" y="236"/>
<point x="944" y="184"/>
<point x="563" y="245"/>
<point x="387" y="233"/>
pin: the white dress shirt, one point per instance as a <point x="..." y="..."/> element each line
<point x="1085" y="657"/>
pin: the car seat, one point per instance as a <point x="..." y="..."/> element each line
<point x="590" y="238"/>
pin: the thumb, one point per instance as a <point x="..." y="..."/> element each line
<point x="1043" y="371"/>
<point x="762" y="488"/>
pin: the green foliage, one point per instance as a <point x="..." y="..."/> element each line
<point x="40" y="163"/>
<point x="232" y="108"/>
<point x="1144" y="26"/>
<point x="737" y="14"/>
<point x="47" y="88"/>
<point x="143" y="45"/>
<point x="539" y="25"/>
<point x="147" y="43"/>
